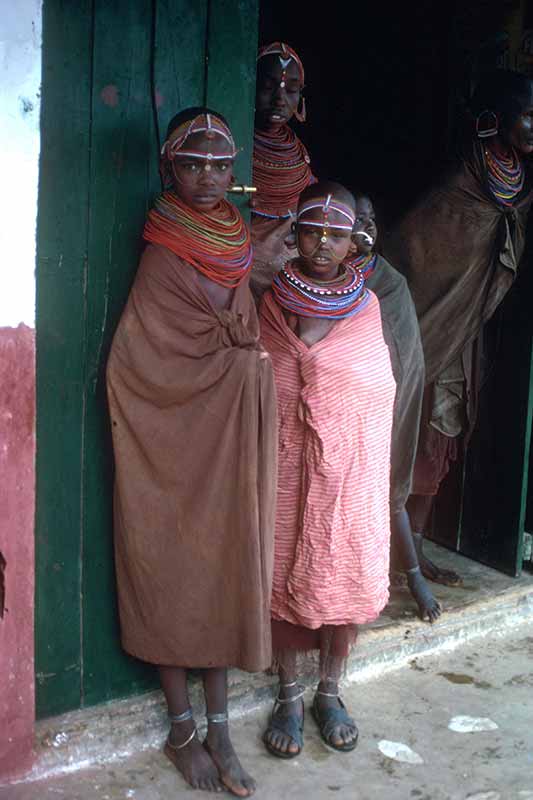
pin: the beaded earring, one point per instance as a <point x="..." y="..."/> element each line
<point x="491" y="126"/>
<point x="301" y="113"/>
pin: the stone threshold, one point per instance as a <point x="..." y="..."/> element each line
<point x="489" y="603"/>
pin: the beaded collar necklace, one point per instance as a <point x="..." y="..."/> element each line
<point x="366" y="264"/>
<point x="343" y="297"/>
<point x="216" y="243"/>
<point x="281" y="172"/>
<point x="505" y="175"/>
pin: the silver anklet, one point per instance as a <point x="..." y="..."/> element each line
<point x="177" y="718"/>
<point x="185" y="743"/>
<point x="217" y="718"/>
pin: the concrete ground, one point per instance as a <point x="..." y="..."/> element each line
<point x="489" y="678"/>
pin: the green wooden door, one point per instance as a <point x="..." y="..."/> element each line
<point x="114" y="73"/>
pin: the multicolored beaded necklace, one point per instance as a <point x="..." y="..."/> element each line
<point x="366" y="264"/>
<point x="337" y="299"/>
<point x="505" y="175"/>
<point x="216" y="243"/>
<point x="281" y="172"/>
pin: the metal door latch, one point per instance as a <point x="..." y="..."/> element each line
<point x="241" y="188"/>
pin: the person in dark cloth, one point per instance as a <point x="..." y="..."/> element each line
<point x="335" y="390"/>
<point x="281" y="167"/>
<point x="460" y="249"/>
<point x="401" y="333"/>
<point x="192" y="404"/>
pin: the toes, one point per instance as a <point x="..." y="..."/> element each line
<point x="250" y="786"/>
<point x="293" y="747"/>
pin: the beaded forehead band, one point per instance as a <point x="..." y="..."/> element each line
<point x="286" y="54"/>
<point x="203" y="123"/>
<point x="328" y="205"/>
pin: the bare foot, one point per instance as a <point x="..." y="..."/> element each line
<point x="218" y="744"/>
<point x="428" y="606"/>
<point x="192" y="761"/>
<point x="430" y="570"/>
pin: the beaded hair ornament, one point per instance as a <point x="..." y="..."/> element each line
<point x="286" y="54"/>
<point x="328" y="205"/>
<point x="203" y="123"/>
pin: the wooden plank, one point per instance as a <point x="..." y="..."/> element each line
<point x="60" y="325"/>
<point x="124" y="178"/>
<point x="122" y="146"/>
<point x="231" y="68"/>
<point x="180" y="53"/>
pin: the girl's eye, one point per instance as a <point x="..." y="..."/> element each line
<point x="223" y="167"/>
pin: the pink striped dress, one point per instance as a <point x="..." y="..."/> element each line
<point x="335" y="403"/>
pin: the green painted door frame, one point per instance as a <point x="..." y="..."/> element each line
<point x="114" y="73"/>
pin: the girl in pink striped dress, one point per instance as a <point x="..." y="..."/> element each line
<point x="336" y="390"/>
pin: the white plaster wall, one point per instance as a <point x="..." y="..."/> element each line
<point x="20" y="82"/>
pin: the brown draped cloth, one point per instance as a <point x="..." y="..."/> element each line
<point x="459" y="250"/>
<point x="192" y="405"/>
<point x="402" y="335"/>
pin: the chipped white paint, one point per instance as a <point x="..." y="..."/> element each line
<point x="484" y="796"/>
<point x="20" y="89"/>
<point x="399" y="752"/>
<point x="465" y="724"/>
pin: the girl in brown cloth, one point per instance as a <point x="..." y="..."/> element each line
<point x="194" y="433"/>
<point x="459" y="249"/>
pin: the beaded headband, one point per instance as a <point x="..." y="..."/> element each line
<point x="327" y="206"/>
<point x="286" y="55"/>
<point x="203" y="123"/>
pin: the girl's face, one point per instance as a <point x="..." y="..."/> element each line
<point x="201" y="182"/>
<point x="365" y="223"/>
<point x="520" y="136"/>
<point x="275" y="104"/>
<point x="322" y="249"/>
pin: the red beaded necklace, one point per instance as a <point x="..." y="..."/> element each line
<point x="216" y="243"/>
<point x="281" y="172"/>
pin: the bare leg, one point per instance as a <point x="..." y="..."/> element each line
<point x="419" y="508"/>
<point x="288" y="688"/>
<point x="330" y="673"/>
<point x="403" y="542"/>
<point x="217" y="742"/>
<point x="191" y="760"/>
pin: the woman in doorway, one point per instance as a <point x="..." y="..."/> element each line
<point x="400" y="329"/>
<point x="335" y="389"/>
<point x="280" y="161"/>
<point x="193" y="417"/>
<point x="459" y="249"/>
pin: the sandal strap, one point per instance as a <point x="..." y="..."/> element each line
<point x="330" y="718"/>
<point x="327" y="694"/>
<point x="291" y="726"/>
<point x="177" y="718"/>
<point x="184" y="744"/>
